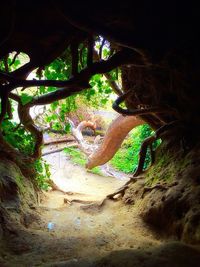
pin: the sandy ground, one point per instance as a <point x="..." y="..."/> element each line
<point x="69" y="233"/>
<point x="72" y="178"/>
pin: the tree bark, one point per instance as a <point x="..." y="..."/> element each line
<point x="113" y="139"/>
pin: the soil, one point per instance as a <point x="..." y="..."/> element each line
<point x="71" y="229"/>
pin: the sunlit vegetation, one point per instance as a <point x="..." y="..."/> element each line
<point x="17" y="132"/>
<point x="126" y="159"/>
<point x="79" y="158"/>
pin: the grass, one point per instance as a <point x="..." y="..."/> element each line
<point x="126" y="158"/>
<point x="79" y="158"/>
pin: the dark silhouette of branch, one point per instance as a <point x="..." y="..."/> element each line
<point x="130" y="112"/>
<point x="101" y="48"/>
<point x="5" y="61"/>
<point x="90" y="52"/>
<point x="27" y="121"/>
<point x="9" y="110"/>
<point x="113" y="84"/>
<point x="148" y="143"/>
<point x="74" y="55"/>
<point x="74" y="84"/>
<point x="4" y="105"/>
<point x="14" y="58"/>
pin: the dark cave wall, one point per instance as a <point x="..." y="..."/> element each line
<point x="169" y="196"/>
<point x="18" y="198"/>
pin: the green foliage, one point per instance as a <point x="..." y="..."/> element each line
<point x="17" y="137"/>
<point x="76" y="155"/>
<point x="100" y="92"/>
<point x="126" y="159"/>
<point x="42" y="173"/>
<point x="60" y="69"/>
<point x="167" y="167"/>
<point x="79" y="158"/>
<point x="23" y="141"/>
<point x="25" y="98"/>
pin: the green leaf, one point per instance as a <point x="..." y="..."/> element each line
<point x="67" y="128"/>
<point x="42" y="89"/>
<point x="104" y="101"/>
<point x="25" y="98"/>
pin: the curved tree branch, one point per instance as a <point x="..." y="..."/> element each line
<point x="27" y="121"/>
<point x="74" y="55"/>
<point x="148" y="143"/>
<point x="4" y="105"/>
<point x="112" y="83"/>
<point x="113" y="139"/>
<point x="90" y="52"/>
<point x="135" y="112"/>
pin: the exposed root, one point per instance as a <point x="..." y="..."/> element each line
<point x="70" y="201"/>
<point x="142" y="154"/>
<point x="59" y="149"/>
<point x="94" y="207"/>
<point x="148" y="143"/>
<point x="162" y="187"/>
<point x="27" y="121"/>
<point x="157" y="186"/>
<point x="138" y="111"/>
<point x="58" y="141"/>
<point x="121" y="191"/>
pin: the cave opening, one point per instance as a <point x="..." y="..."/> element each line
<point x="147" y="55"/>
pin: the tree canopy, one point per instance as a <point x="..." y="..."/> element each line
<point x="156" y="46"/>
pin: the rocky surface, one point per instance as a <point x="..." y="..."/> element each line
<point x="170" y="202"/>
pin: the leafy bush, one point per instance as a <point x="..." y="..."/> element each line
<point x="17" y="137"/>
<point x="79" y="158"/>
<point x="23" y="141"/>
<point x="126" y="159"/>
<point x="42" y="173"/>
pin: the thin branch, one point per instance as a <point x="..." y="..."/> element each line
<point x="27" y="121"/>
<point x="14" y="58"/>
<point x="148" y="142"/>
<point x="74" y="55"/>
<point x="113" y="84"/>
<point x="4" y="104"/>
<point x="90" y="52"/>
<point x="81" y="56"/>
<point x="101" y="48"/>
<point x="75" y="84"/>
<point x="135" y="112"/>
<point x="29" y="125"/>
<point x="5" y="61"/>
<point x="9" y="110"/>
<point x="120" y="58"/>
<point x="152" y="152"/>
<point x="17" y="127"/>
<point x="142" y="154"/>
<point x="59" y="149"/>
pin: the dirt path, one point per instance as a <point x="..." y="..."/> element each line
<point x="84" y="185"/>
<point x="77" y="234"/>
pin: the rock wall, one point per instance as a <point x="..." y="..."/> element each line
<point x="169" y="195"/>
<point x="18" y="199"/>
